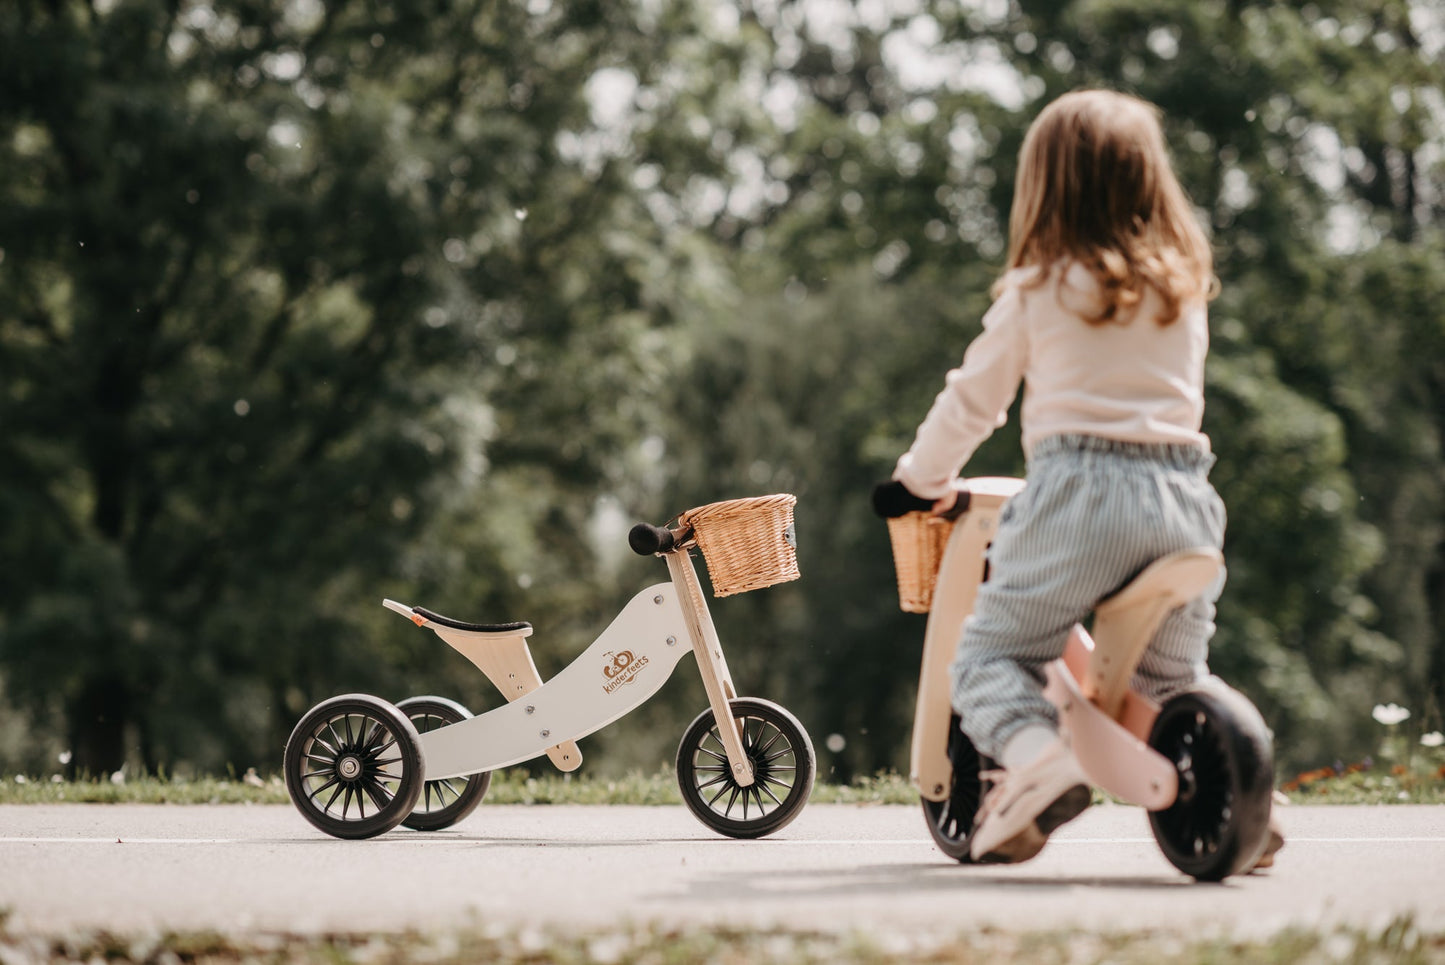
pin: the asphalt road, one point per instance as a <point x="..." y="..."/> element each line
<point x="238" y="869"/>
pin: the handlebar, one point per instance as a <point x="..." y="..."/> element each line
<point x="649" y="540"/>
<point x="892" y="499"/>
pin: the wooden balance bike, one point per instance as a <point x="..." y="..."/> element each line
<point x="356" y="766"/>
<point x="1202" y="764"/>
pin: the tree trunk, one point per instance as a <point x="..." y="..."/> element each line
<point x="97" y="719"/>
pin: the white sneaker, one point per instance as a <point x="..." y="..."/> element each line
<point x="1025" y="805"/>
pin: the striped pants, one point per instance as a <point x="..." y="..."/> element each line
<point x="1094" y="514"/>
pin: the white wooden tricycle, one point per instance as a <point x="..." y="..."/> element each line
<point x="357" y="766"/>
<point x="1202" y="764"/>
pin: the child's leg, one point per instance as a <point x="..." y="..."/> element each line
<point x="1068" y="540"/>
<point x="1093" y="516"/>
<point x="1179" y="652"/>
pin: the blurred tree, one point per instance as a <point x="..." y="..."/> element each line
<point x="268" y="269"/>
<point x="303" y="303"/>
<point x="888" y="136"/>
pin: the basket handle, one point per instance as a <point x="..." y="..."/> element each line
<point x="892" y="499"/>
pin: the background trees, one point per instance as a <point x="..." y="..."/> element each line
<point x="307" y="303"/>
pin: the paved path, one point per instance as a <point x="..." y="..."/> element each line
<point x="238" y="869"/>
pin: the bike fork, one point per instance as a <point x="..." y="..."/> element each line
<point x="710" y="662"/>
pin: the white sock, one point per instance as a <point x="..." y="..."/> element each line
<point x="1026" y="744"/>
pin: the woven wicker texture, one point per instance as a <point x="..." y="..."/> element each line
<point x="748" y="543"/>
<point x="918" y="542"/>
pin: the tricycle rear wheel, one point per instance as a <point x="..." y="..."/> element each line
<point x="353" y="766"/>
<point x="445" y="802"/>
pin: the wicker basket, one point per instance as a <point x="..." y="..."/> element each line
<point x="748" y="543"/>
<point x="919" y="540"/>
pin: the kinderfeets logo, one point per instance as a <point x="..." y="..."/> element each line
<point x="621" y="669"/>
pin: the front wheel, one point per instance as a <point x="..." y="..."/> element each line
<point x="783" y="764"/>
<point x="950" y="821"/>
<point x="354" y="766"/>
<point x="445" y="802"/>
<point x="1219" y="823"/>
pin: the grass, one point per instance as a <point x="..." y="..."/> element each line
<point x="508" y="787"/>
<point x="1400" y="942"/>
<point x="1421" y="783"/>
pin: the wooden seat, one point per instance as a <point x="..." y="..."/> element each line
<point x="500" y="651"/>
<point x="1126" y="622"/>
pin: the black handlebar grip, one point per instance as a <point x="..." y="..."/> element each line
<point x="649" y="540"/>
<point x="892" y="499"/>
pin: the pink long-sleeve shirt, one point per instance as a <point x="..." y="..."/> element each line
<point x="1135" y="381"/>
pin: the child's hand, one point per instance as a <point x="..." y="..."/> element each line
<point x="945" y="503"/>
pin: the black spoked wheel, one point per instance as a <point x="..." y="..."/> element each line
<point x="445" y="802"/>
<point x="950" y="821"/>
<point x="1219" y="823"/>
<point x="783" y="764"/>
<point x="354" y="766"/>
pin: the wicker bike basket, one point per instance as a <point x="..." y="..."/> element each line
<point x="918" y="540"/>
<point x="748" y="543"/>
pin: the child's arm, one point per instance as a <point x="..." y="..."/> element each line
<point x="974" y="402"/>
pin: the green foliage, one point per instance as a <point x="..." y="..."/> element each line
<point x="1420" y="779"/>
<point x="282" y="286"/>
<point x="303" y="305"/>
<point x="1309" y="141"/>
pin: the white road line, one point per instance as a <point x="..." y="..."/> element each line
<point x="1289" y="839"/>
<point x="122" y="841"/>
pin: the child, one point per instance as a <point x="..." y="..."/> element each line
<point x="1101" y="312"/>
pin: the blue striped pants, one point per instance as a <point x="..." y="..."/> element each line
<point x="1095" y="512"/>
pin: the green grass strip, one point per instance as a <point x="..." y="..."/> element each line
<point x="516" y="786"/>
<point x="508" y="787"/>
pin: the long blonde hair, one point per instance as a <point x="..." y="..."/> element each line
<point x="1095" y="186"/>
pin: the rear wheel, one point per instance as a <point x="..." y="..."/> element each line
<point x="353" y="766"/>
<point x="444" y="802"/>
<point x="783" y="765"/>
<point x="950" y="821"/>
<point x="1219" y="823"/>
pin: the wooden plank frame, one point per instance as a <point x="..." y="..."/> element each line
<point x="959" y="575"/>
<point x="710" y="661"/>
<point x="506" y="660"/>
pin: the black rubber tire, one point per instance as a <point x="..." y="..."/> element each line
<point x="782" y="758"/>
<point x="1219" y="823"/>
<point x="351" y="753"/>
<point x="445" y="802"/>
<point x="950" y="821"/>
